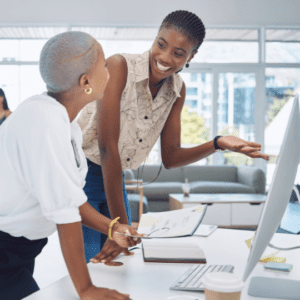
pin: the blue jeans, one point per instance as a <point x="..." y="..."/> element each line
<point x="94" y="189"/>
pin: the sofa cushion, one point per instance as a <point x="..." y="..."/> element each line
<point x="159" y="190"/>
<point x="150" y="172"/>
<point x="220" y="187"/>
<point x="210" y="173"/>
<point x="134" y="202"/>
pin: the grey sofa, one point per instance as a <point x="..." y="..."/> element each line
<point x="202" y="179"/>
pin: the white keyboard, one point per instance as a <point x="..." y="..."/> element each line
<point x="191" y="280"/>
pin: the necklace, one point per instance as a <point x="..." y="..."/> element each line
<point x="158" y="84"/>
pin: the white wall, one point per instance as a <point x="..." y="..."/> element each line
<point x="150" y="12"/>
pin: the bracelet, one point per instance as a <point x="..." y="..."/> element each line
<point x="217" y="148"/>
<point x="112" y="223"/>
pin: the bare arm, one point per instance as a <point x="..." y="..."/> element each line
<point x="108" y="127"/>
<point x="93" y="219"/>
<point x="174" y="156"/>
<point x="71" y="241"/>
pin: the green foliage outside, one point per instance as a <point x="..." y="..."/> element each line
<point x="195" y="131"/>
<point x="193" y="128"/>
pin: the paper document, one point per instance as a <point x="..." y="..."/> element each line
<point x="175" y="223"/>
<point x="171" y="251"/>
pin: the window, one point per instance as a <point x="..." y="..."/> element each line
<point x="194" y="77"/>
<point x="9" y="50"/>
<point x="281" y="85"/>
<point x="192" y="91"/>
<point x="229" y="46"/>
<point x="283" y="45"/>
<point x="236" y="112"/>
<point x="30" y="50"/>
<point x="196" y="115"/>
<point x="191" y="103"/>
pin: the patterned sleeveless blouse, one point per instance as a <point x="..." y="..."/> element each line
<point x="141" y="118"/>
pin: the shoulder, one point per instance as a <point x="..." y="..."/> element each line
<point x="40" y="112"/>
<point x="117" y="68"/>
<point x="116" y="62"/>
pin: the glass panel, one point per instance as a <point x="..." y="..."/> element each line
<point x="196" y="115"/>
<point x="227" y="52"/>
<point x="227" y="34"/>
<point x="282" y="52"/>
<point x="111" y="47"/>
<point x="30" y="50"/>
<point x="281" y="85"/>
<point x="9" y="50"/>
<point x="283" y="35"/>
<point x="31" y="82"/>
<point x="236" y="112"/>
<point x="9" y="82"/>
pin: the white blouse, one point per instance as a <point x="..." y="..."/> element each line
<point x="141" y="118"/>
<point x="41" y="180"/>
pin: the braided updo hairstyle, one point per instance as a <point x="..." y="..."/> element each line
<point x="187" y="23"/>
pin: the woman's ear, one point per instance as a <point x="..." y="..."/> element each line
<point x="84" y="81"/>
<point x="192" y="56"/>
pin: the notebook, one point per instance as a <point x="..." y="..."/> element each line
<point x="170" y="251"/>
<point x="170" y="224"/>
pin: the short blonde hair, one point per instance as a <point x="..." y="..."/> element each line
<point x="65" y="57"/>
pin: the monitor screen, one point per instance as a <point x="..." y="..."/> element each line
<point x="280" y="189"/>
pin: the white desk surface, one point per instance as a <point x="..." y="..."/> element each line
<point x="149" y="281"/>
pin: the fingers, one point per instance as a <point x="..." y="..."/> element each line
<point x="254" y="145"/>
<point x="110" y="249"/>
<point x="127" y="252"/>
<point x="102" y="257"/>
<point x="118" y="296"/>
<point x="248" y="149"/>
<point x="109" y="258"/>
<point x="258" y="155"/>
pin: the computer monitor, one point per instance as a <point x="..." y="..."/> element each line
<point x="277" y="199"/>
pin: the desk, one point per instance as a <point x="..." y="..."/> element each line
<point x="151" y="281"/>
<point x="228" y="210"/>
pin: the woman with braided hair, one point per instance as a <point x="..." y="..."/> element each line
<point x="143" y="100"/>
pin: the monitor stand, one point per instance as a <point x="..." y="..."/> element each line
<point x="274" y="288"/>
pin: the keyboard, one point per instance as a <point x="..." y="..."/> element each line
<point x="191" y="280"/>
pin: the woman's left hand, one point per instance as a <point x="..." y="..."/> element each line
<point x="236" y="144"/>
<point x="119" y="243"/>
<point x="109" y="252"/>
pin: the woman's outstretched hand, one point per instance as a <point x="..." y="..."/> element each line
<point x="236" y="144"/>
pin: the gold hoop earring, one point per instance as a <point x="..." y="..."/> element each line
<point x="89" y="91"/>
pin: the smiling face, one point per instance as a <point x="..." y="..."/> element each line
<point x="170" y="51"/>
